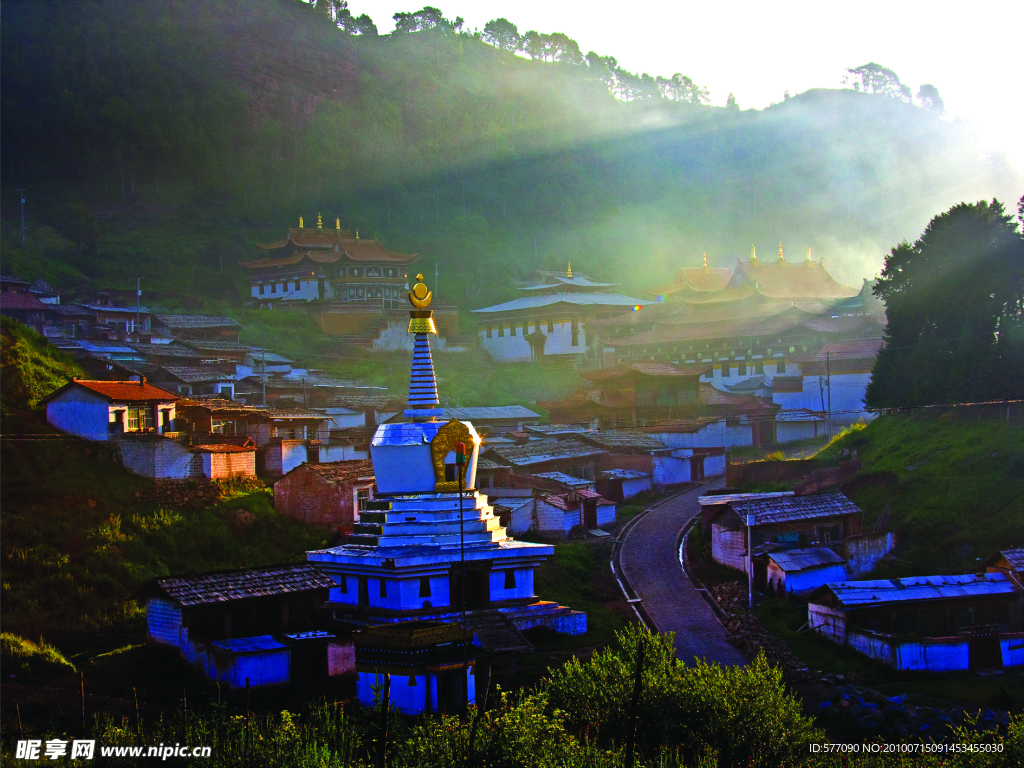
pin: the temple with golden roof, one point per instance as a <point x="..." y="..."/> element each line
<point x="320" y="263"/>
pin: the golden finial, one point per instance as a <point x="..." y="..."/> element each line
<point x="337" y="224"/>
<point x="753" y="255"/>
<point x="706" y="267"/>
<point x="319" y="222"/>
<point x="420" y="296"/>
<point x="300" y="222"/>
<point x="809" y="262"/>
<point x="357" y="235"/>
<point x="568" y="272"/>
<point x="781" y="257"/>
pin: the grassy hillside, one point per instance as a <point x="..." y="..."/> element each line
<point x="203" y="127"/>
<point x="953" y="490"/>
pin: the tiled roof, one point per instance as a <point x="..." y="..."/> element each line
<point x="1015" y="557"/>
<point x="242" y="584"/>
<point x="606" y="398"/>
<point x="613" y="440"/>
<point x="793" y="280"/>
<point x="410" y="635"/>
<point x="121" y="391"/>
<point x="556" y="429"/>
<point x="623" y="474"/>
<point x="198" y="321"/>
<point x="71" y="310"/>
<point x="221" y="346"/>
<point x="860" y="594"/>
<point x="647" y="369"/>
<point x="197" y="375"/>
<point x="789" y="508"/>
<point x="578" y="282"/>
<point x="164" y="350"/>
<point x="842" y="349"/>
<point x="20" y="301"/>
<point x="701" y="330"/>
<point x="543" y="451"/>
<point x="340" y="471"/>
<point x="567" y="480"/>
<point x="258" y="644"/>
<point x="684" y="425"/>
<point x="709" y="395"/>
<point x="222" y="448"/>
<point x="484" y="413"/>
<point x="699" y="280"/>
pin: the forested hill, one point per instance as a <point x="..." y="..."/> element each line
<point x="204" y="126"/>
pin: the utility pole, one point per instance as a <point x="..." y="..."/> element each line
<point x="828" y="379"/>
<point x="138" y="303"/>
<point x="435" y="279"/>
<point x="460" y="467"/>
<point x="264" y="376"/>
<point x="750" y="561"/>
<point x="22" y="193"/>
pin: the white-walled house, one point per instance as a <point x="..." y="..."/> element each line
<point x="101" y="410"/>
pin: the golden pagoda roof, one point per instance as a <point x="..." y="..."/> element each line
<point x="324" y="246"/>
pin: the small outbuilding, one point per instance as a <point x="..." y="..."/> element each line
<point x="797" y="571"/>
<point x="104" y="410"/>
<point x="557" y="514"/>
<point x="259" y="624"/>
<point x="623" y="484"/>
<point x="326" y="494"/>
<point x="934" y="623"/>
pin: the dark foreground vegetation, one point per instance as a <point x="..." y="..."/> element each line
<point x="583" y="714"/>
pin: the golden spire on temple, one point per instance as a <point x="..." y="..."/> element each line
<point x="420" y="296"/>
<point x="809" y="262"/>
<point x="357" y="235"/>
<point x="568" y="272"/>
<point x="319" y="223"/>
<point x="782" y="259"/>
<point x="706" y="267"/>
<point x="753" y="255"/>
<point x="300" y="222"/>
<point x="337" y="224"/>
<point x="420" y="319"/>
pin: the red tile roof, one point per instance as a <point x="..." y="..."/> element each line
<point x="340" y="471"/>
<point x="122" y="391"/>
<point x="20" y="301"/>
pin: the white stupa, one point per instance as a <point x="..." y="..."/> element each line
<point x="410" y="548"/>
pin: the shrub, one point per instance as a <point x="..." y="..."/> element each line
<point x="742" y="713"/>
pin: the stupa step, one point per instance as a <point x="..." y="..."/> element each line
<point x="437" y="503"/>
<point x="414" y="529"/>
<point x="493" y="631"/>
<point x="374" y="505"/>
<point x="440" y="539"/>
<point x="371" y="529"/>
<point x="362" y="540"/>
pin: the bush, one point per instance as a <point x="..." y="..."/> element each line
<point x="741" y="713"/>
<point x="23" y="657"/>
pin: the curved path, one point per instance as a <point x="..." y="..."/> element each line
<point x="649" y="561"/>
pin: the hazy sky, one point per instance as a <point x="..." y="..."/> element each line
<point x="757" y="50"/>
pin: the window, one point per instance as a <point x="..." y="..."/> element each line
<point x="449" y="473"/>
<point x="780" y="365"/>
<point x="261" y="289"/>
<point x="298" y="286"/>
<point x="343" y="584"/>
<point x="490" y="330"/>
<point x="284" y="287"/>
<point x="362" y="497"/>
<point x="725" y="368"/>
<point x="146" y="417"/>
<point x="383" y="588"/>
<point x="273" y="287"/>
<point x="551" y="325"/>
<point x="133" y="420"/>
<point x="513" y="331"/>
<point x="741" y="367"/>
<point x="222" y="427"/>
<point x="501" y="331"/>
<point x="575" y="334"/>
<point x="425" y="587"/>
<point x="510" y="579"/>
<point x="759" y="367"/>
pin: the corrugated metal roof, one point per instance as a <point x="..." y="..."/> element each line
<point x="790" y="560"/>
<point x="857" y="594"/>
<point x="225" y="586"/>
<point x="579" y="282"/>
<point x="194" y="321"/>
<point x="788" y="508"/>
<point x="249" y="644"/>
<point x="339" y="471"/>
<point x="556" y="429"/>
<point x="799" y="414"/>
<point x="612" y="440"/>
<point x="536" y="302"/>
<point x="197" y="375"/>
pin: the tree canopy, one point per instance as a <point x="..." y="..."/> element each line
<point x="955" y="306"/>
<point x="875" y="78"/>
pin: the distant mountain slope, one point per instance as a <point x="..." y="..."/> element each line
<point x="205" y="126"/>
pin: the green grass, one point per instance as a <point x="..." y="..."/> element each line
<point x="26" y="658"/>
<point x="954" y="489"/>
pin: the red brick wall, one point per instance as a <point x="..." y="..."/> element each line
<point x="306" y="496"/>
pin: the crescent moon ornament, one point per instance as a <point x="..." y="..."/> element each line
<point x="420" y="296"/>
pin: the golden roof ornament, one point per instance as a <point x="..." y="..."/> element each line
<point x="319" y="223"/>
<point x="809" y="262"/>
<point x="337" y="224"/>
<point x="782" y="259"/>
<point x="568" y="272"/>
<point x="753" y="255"/>
<point x="420" y="319"/>
<point x="357" y="235"/>
<point x="300" y="222"/>
<point x="706" y="267"/>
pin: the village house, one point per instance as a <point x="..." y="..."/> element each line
<point x="248" y="627"/>
<point x="202" y="380"/>
<point x="326" y="494"/>
<point x="98" y="410"/>
<point x="121" y="321"/>
<point x="555" y="515"/>
<point x="643" y="453"/>
<point x="623" y="484"/>
<point x="431" y="664"/>
<point x="25" y="308"/>
<point x="198" y="327"/>
<point x="783" y="521"/>
<point x="933" y="623"/>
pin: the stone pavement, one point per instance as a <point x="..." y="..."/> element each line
<point x="649" y="560"/>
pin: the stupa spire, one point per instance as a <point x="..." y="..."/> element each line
<point x="422" y="379"/>
<point x="809" y="262"/>
<point x="782" y="259"/>
<point x="568" y="272"/>
<point x="706" y="267"/>
<point x="300" y="222"/>
<point x="753" y="255"/>
<point x="319" y="223"/>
